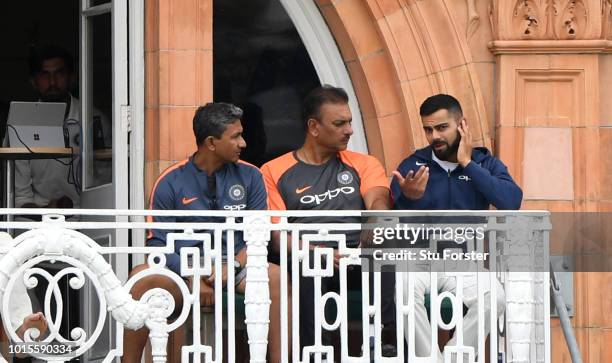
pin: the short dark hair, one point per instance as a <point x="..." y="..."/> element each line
<point x="316" y="98"/>
<point x="441" y="102"/>
<point x="38" y="56"/>
<point x="212" y="120"/>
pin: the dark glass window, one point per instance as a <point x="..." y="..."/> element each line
<point x="261" y="65"/>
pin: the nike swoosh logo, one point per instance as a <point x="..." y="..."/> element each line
<point x="189" y="201"/>
<point x="420" y="164"/>
<point x="302" y="190"/>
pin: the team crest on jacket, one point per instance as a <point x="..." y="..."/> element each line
<point x="236" y="192"/>
<point x="345" y="178"/>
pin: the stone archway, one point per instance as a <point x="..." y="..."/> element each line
<point x="397" y="53"/>
<point x="400" y="52"/>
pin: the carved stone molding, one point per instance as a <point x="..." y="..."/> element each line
<point x="550" y="47"/>
<point x="606" y="19"/>
<point x="550" y="19"/>
<point x="528" y="20"/>
<point x="570" y="18"/>
<point x="473" y="18"/>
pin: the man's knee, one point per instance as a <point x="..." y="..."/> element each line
<point x="137" y="269"/>
<point x="273" y="272"/>
<point x="147" y="283"/>
<point x="419" y="294"/>
<point x="420" y="287"/>
<point x="500" y="300"/>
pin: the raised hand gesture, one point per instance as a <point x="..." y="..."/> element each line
<point x="464" y="153"/>
<point x="413" y="185"/>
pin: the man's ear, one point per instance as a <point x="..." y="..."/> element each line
<point x="313" y="127"/>
<point x="209" y="143"/>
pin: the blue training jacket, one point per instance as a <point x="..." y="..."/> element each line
<point x="485" y="181"/>
<point x="185" y="187"/>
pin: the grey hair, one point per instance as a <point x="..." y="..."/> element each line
<point x="316" y="98"/>
<point x="212" y="120"/>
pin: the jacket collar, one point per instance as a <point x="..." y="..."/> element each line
<point x="478" y="154"/>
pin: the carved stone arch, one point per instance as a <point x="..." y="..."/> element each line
<point x="398" y="53"/>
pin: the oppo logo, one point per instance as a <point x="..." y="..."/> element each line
<point x="234" y="207"/>
<point x="328" y="195"/>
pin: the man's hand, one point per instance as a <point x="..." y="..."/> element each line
<point x="464" y="153"/>
<point x="64" y="203"/>
<point x="37" y="321"/>
<point x="365" y="238"/>
<point x="207" y="293"/>
<point x="413" y="185"/>
<point x="336" y="259"/>
<point x="211" y="279"/>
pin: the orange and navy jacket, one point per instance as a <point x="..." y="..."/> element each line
<point x="185" y="187"/>
<point x="339" y="184"/>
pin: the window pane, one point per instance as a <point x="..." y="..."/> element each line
<point x="261" y="65"/>
<point x="99" y="122"/>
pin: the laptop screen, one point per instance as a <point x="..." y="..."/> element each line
<point x="36" y="124"/>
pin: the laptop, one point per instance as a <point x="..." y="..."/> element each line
<point x="36" y="124"/>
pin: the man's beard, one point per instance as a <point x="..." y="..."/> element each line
<point x="451" y="150"/>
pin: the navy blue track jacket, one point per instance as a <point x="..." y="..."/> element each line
<point x="185" y="187"/>
<point x="485" y="181"/>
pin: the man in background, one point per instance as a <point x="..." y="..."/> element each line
<point x="51" y="183"/>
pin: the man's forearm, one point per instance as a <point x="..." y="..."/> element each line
<point x="381" y="204"/>
<point x="377" y="198"/>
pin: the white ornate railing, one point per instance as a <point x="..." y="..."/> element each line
<point x="517" y="243"/>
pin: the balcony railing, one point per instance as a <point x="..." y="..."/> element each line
<point x="516" y="243"/>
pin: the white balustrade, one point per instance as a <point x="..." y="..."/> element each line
<point x="517" y="243"/>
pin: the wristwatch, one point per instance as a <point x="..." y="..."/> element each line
<point x="237" y="267"/>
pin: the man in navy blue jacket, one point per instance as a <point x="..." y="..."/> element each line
<point x="213" y="178"/>
<point x="451" y="174"/>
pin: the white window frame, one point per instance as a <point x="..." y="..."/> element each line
<point x="326" y="59"/>
<point x="137" y="122"/>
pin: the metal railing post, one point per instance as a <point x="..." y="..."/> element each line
<point x="566" y="324"/>
<point x="257" y="291"/>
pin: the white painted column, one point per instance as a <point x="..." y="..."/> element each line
<point x="257" y="292"/>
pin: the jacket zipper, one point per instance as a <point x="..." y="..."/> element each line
<point x="450" y="190"/>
